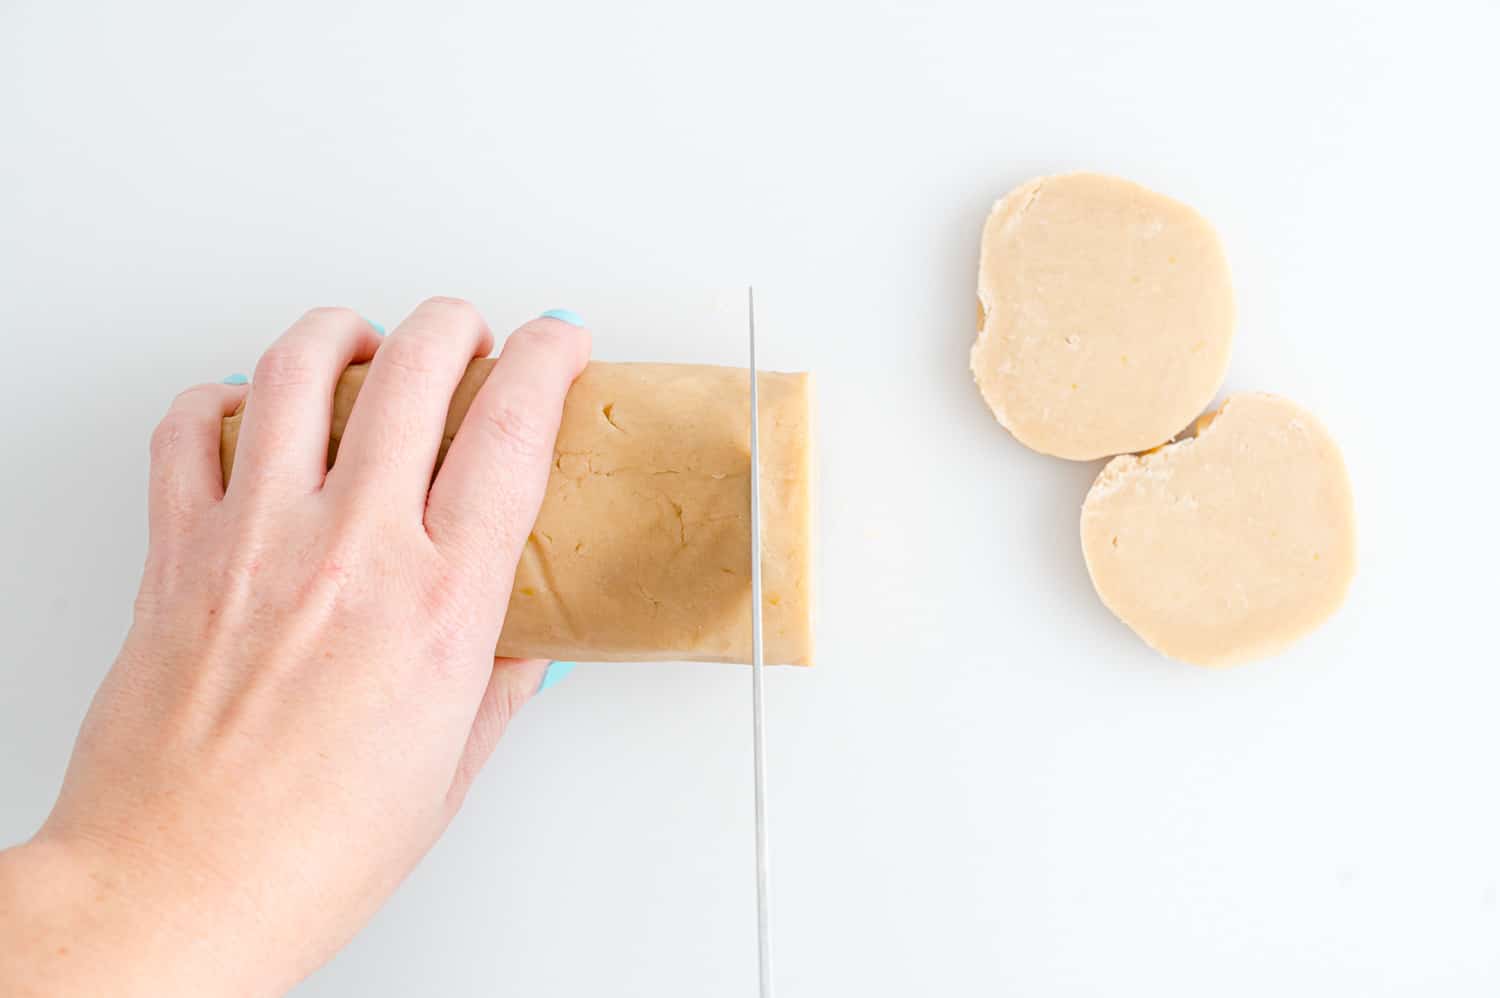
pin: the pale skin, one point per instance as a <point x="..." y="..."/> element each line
<point x="308" y="688"/>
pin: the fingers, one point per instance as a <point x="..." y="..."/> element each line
<point x="284" y="439"/>
<point x="512" y="682"/>
<point x="396" y="427"/>
<point x="489" y="490"/>
<point x="185" y="472"/>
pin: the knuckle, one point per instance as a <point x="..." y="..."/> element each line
<point x="443" y="593"/>
<point x="329" y="576"/>
<point x="343" y="553"/>
<point x="519" y="429"/>
<point x="455" y="629"/>
<point x="285" y="365"/>
<point x="454" y="306"/>
<point x="167" y="438"/>
<point x="450" y="315"/>
<point x="416" y="354"/>
<point x="533" y="340"/>
<point x="190" y="396"/>
<point x="359" y="534"/>
<point x="482" y="535"/>
<point x="487" y="536"/>
<point x="555" y="355"/>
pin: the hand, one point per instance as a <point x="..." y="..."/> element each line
<point x="308" y="688"/>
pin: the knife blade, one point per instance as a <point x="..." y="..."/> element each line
<point x="757" y="682"/>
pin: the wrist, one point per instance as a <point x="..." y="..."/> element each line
<point x="87" y="922"/>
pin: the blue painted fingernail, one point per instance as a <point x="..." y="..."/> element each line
<point x="374" y="325"/>
<point x="236" y="379"/>
<point x="567" y="315"/>
<point x="556" y="673"/>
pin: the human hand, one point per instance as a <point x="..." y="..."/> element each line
<point x="308" y="688"/>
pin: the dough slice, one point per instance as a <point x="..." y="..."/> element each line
<point x="1230" y="545"/>
<point x="1106" y="316"/>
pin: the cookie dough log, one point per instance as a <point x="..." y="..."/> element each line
<point x="1106" y="316"/>
<point x="641" y="551"/>
<point x="1230" y="545"/>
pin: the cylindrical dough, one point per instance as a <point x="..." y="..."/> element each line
<point x="1231" y="544"/>
<point x="1106" y="316"/>
<point x="641" y="551"/>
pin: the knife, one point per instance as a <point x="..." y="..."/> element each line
<point x="757" y="684"/>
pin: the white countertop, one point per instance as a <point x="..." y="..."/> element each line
<point x="988" y="786"/>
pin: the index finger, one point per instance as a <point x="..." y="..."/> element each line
<point x="485" y="499"/>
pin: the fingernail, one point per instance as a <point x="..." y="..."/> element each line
<point x="374" y="325"/>
<point x="556" y="673"/>
<point x="236" y="379"/>
<point x="567" y="315"/>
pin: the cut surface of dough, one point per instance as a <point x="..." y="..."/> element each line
<point x="1229" y="545"/>
<point x="1106" y="316"/>
<point x="641" y="551"/>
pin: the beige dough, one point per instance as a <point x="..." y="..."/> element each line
<point x="642" y="547"/>
<point x="1106" y="316"/>
<point x="1230" y="545"/>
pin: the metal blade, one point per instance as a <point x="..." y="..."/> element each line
<point x="757" y="680"/>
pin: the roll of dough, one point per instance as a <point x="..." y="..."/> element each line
<point x="1229" y="545"/>
<point x="642" y="548"/>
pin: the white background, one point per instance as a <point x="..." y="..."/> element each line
<point x="988" y="786"/>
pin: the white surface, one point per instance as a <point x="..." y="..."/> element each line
<point x="988" y="786"/>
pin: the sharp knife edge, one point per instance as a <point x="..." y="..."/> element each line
<point x="757" y="681"/>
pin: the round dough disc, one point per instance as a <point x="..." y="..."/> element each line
<point x="1106" y="316"/>
<point x="1229" y="545"/>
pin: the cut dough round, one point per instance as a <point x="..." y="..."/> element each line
<point x="1106" y="315"/>
<point x="1229" y="545"/>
